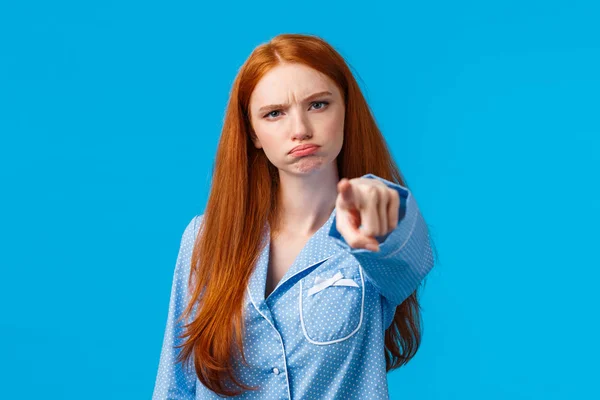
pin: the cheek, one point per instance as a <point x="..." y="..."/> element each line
<point x="266" y="134"/>
<point x="335" y="128"/>
<point x="271" y="142"/>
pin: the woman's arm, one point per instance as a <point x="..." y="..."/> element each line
<point x="172" y="380"/>
<point x="404" y="256"/>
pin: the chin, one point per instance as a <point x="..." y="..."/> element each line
<point x="310" y="165"/>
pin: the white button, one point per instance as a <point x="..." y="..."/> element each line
<point x="276" y="371"/>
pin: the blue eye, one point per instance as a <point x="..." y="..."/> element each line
<point x="270" y="113"/>
<point x="325" y="103"/>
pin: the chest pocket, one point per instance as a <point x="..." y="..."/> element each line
<point x="331" y="304"/>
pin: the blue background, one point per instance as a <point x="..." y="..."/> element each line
<point x="110" y="113"/>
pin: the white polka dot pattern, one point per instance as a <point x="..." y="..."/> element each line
<point x="173" y="381"/>
<point x="320" y="333"/>
<point x="344" y="305"/>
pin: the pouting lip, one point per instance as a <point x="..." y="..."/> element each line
<point x="302" y="147"/>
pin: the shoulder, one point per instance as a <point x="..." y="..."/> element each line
<point x="191" y="230"/>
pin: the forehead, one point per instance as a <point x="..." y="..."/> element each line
<point x="289" y="82"/>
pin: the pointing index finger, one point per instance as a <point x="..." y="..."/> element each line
<point x="346" y="193"/>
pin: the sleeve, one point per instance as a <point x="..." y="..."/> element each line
<point x="404" y="257"/>
<point x="173" y="381"/>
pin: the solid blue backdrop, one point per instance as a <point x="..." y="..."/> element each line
<point x="110" y="114"/>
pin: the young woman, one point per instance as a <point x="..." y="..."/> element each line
<point x="300" y="279"/>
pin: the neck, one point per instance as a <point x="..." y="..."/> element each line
<point x="306" y="202"/>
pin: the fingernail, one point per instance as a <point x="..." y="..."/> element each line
<point x="372" y="247"/>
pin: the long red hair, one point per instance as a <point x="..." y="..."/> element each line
<point x="243" y="199"/>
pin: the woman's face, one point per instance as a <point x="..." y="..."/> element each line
<point x="290" y="106"/>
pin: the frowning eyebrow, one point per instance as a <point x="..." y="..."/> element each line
<point x="274" y="106"/>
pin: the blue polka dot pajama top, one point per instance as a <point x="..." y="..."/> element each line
<point x="320" y="333"/>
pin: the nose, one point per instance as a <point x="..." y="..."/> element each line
<point x="301" y="128"/>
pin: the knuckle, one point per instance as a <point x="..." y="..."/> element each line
<point x="372" y="190"/>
